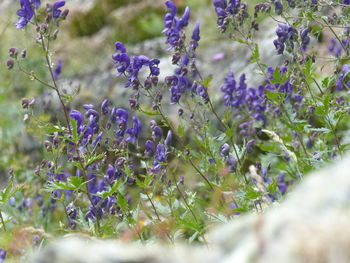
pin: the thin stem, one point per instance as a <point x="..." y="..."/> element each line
<point x="2" y="221"/>
<point x="201" y="174"/>
<point x="158" y="217"/>
<point x="46" y="51"/>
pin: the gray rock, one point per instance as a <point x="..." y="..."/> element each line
<point x="311" y="225"/>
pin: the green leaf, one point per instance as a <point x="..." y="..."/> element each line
<point x="255" y="54"/>
<point x="272" y="187"/>
<point x="93" y="158"/>
<point x="75" y="131"/>
<point x="181" y="130"/>
<point x="252" y="195"/>
<point x="122" y="202"/>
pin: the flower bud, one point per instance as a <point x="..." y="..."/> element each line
<point x="65" y="13"/>
<point x="13" y="52"/>
<point x="133" y="103"/>
<point x="25" y="103"/>
<point x="24" y="53"/>
<point x="43" y="28"/>
<point x="48" y="18"/>
<point x="10" y="63"/>
<point x="47" y="145"/>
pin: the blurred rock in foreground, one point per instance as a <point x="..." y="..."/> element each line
<point x="310" y="226"/>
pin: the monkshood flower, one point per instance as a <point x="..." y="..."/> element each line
<point x="26" y="12"/>
<point x="174" y="26"/>
<point x="105" y="107"/>
<point x="195" y="37"/>
<point x="131" y="67"/>
<point x="231" y="163"/>
<point x="72" y="215"/>
<point x="2" y="255"/>
<point x="282" y="186"/>
<point x="57" y="70"/>
<point x="56" y="12"/>
<point x="150" y="148"/>
<point x="134" y="131"/>
<point x="121" y="58"/>
<point x="278" y="7"/>
<point x="168" y="138"/>
<point x="341" y="79"/>
<point x="305" y="39"/>
<point x="225" y="149"/>
<point x="346" y="2"/>
<point x="121" y="117"/>
<point x="225" y="9"/>
<point x="286" y="36"/>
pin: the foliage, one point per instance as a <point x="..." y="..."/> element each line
<point x="105" y="173"/>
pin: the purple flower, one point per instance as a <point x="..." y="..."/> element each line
<point x="150" y="148"/>
<point x="282" y="186"/>
<point x="56" y="12"/>
<point x="57" y="70"/>
<point x="157" y="132"/>
<point x="231" y="163"/>
<point x="234" y="206"/>
<point x="225" y="149"/>
<point x="341" y="79"/>
<point x="305" y="39"/>
<point x="2" y="255"/>
<point x="26" y="12"/>
<point x="122" y="117"/>
<point x="286" y="36"/>
<point x="121" y="58"/>
<point x="168" y="138"/>
<point x="278" y="7"/>
<point x="174" y="25"/>
<point x="134" y="131"/>
<point x="76" y="115"/>
<point x="97" y="139"/>
<point x="105" y="107"/>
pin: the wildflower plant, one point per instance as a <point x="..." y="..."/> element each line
<point x="110" y="170"/>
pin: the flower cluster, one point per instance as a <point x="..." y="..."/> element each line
<point x="131" y="67"/>
<point x="287" y="35"/>
<point x="174" y="26"/>
<point x="186" y="75"/>
<point x="26" y="12"/>
<point x="28" y="7"/>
